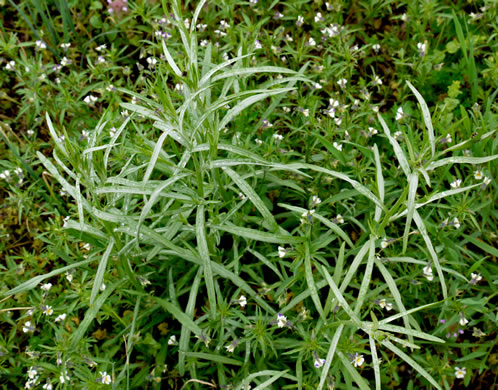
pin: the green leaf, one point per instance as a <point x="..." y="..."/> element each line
<point x="423" y="231"/>
<point x="427" y="117"/>
<point x="91" y="313"/>
<point x="202" y="247"/>
<point x="410" y="207"/>
<point x="330" y="356"/>
<point x="257" y="235"/>
<point x="460" y="160"/>
<point x="253" y="197"/>
<point x="180" y="316"/>
<point x="310" y="280"/>
<point x="33" y="282"/>
<point x="214" y="358"/>
<point x="411" y="362"/>
<point x="99" y="276"/>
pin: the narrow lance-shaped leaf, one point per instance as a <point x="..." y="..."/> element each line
<point x="203" y="249"/>
<point x="99" y="276"/>
<point x="411" y="362"/>
<point x="311" y="281"/>
<point x="330" y="356"/>
<point x="427" y="117"/>
<point x="410" y="207"/>
<point x="380" y="183"/>
<point x="423" y="231"/>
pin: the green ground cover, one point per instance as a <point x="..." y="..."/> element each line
<point x="248" y="194"/>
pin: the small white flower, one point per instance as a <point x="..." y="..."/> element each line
<point x="485" y="181"/>
<point x="281" y="320"/>
<point x="456" y="223"/>
<point x="231" y="347"/>
<point x="385" y="243"/>
<point x="69" y="276"/>
<point x="258" y="141"/>
<point x="319" y="362"/>
<point x="47" y="310"/>
<point x="105" y="378"/>
<point x="102" y="287"/>
<point x="338" y="146"/>
<point x="110" y="88"/>
<point x="358" y="360"/>
<point x="201" y="27"/>
<point x="421" y="48"/>
<point x="172" y="340"/>
<point x="447" y="139"/>
<point x="460" y="372"/>
<point x="385" y="305"/>
<point x="152" y="61"/>
<point x="252" y="3"/>
<point x="304" y="111"/>
<point x="288" y="38"/>
<point x="428" y="273"/>
<point x="257" y="44"/>
<point x="316" y="85"/>
<point x="376" y="47"/>
<point x="242" y="301"/>
<point x="372" y="132"/>
<point x="60" y="317"/>
<point x="65" y="61"/>
<point x="27" y="327"/>
<point x="125" y="114"/>
<point x="319" y="17"/>
<point x="65" y="46"/>
<point x="311" y="42"/>
<point x="90" y="100"/>
<point x="100" y="60"/>
<point x="342" y="83"/>
<point x="281" y="251"/>
<point x="338" y="219"/>
<point x="30" y="133"/>
<point x="315" y="200"/>
<point x="32" y="373"/>
<point x="463" y="321"/>
<point x="63" y="378"/>
<point x="219" y="33"/>
<point x="224" y="25"/>
<point x="278" y="15"/>
<point x="299" y="21"/>
<point x="456" y="183"/>
<point x="266" y="124"/>
<point x="47" y="386"/>
<point x="475" y="278"/>
<point x="11" y="65"/>
<point x="40" y="45"/>
<point x="101" y="47"/>
<point x="46" y="286"/>
<point x="186" y="22"/>
<point x="307" y="216"/>
<point x="398" y="135"/>
<point x="204" y="43"/>
<point x="377" y="80"/>
<point x="478" y="174"/>
<point x="400" y="114"/>
<point x="5" y="175"/>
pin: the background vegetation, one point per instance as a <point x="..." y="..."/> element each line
<point x="248" y="194"/>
